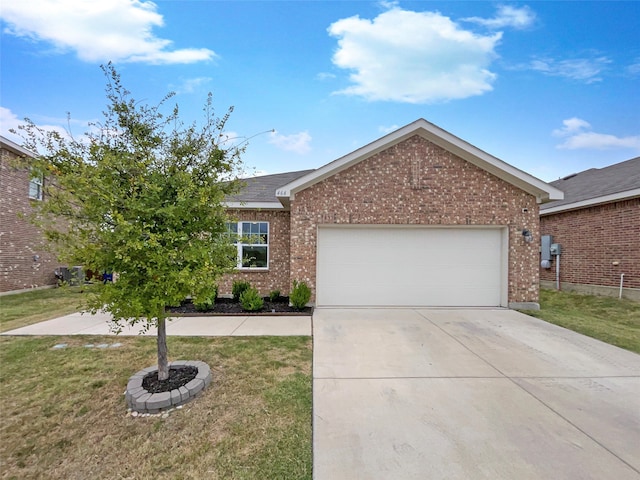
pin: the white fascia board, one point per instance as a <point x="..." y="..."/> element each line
<point x="614" y="197"/>
<point x="542" y="190"/>
<point x="254" y="205"/>
<point x="15" y="148"/>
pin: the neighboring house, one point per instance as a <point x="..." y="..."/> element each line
<point x="416" y="218"/>
<point x="598" y="228"/>
<point x="24" y="262"/>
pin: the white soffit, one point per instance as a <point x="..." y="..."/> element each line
<point x="530" y="184"/>
<point x="254" y="205"/>
<point x="614" y="197"/>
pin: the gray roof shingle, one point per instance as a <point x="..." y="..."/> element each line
<point x="597" y="182"/>
<point x="263" y="189"/>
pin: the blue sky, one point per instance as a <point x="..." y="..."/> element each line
<point x="550" y="87"/>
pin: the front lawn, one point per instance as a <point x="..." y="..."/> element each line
<point x="26" y="308"/>
<point x="608" y="319"/>
<point x="64" y="416"/>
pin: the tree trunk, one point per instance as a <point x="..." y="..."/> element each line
<point x="163" y="363"/>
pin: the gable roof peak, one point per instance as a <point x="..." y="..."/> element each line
<point x="438" y="136"/>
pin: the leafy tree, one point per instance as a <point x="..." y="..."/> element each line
<point x="141" y="195"/>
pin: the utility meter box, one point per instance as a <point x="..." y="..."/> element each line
<point x="545" y="247"/>
<point x="555" y="249"/>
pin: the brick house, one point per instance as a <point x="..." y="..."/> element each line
<point x="419" y="217"/>
<point x="24" y="262"/>
<point x="597" y="225"/>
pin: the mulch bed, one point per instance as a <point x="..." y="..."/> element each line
<point x="178" y="377"/>
<point x="228" y="306"/>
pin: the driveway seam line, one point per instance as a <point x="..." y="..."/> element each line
<point x="511" y="379"/>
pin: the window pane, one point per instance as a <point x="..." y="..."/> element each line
<point x="232" y="232"/>
<point x="255" y="233"/>
<point x="255" y="257"/>
<point x="35" y="189"/>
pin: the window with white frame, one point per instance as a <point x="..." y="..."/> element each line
<point x="35" y="186"/>
<point x="252" y="240"/>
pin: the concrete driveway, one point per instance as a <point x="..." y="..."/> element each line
<point x="469" y="394"/>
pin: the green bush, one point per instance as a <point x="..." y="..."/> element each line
<point x="274" y="295"/>
<point x="238" y="287"/>
<point x="204" y="304"/>
<point x="251" y="300"/>
<point x="300" y="295"/>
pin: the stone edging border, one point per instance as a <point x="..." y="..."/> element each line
<point x="140" y="400"/>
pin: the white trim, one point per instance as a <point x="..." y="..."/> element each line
<point x="254" y="205"/>
<point x="14" y="147"/>
<point x="240" y="245"/>
<point x="614" y="197"/>
<point x="542" y="190"/>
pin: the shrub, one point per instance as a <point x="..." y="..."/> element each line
<point x="238" y="287"/>
<point x="251" y="300"/>
<point x="204" y="304"/>
<point x="300" y="295"/>
<point x="274" y="295"/>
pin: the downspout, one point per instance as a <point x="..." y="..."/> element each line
<point x="621" y="283"/>
<point x="558" y="272"/>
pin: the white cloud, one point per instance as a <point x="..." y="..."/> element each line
<point x="383" y="129"/>
<point x="10" y="121"/>
<point x="296" y="142"/>
<point x="571" y="126"/>
<point x="98" y="31"/>
<point x="507" y="16"/>
<point x="413" y="57"/>
<point x="578" y="135"/>
<point x="322" y="76"/>
<point x="191" y="85"/>
<point x="634" y="68"/>
<point x="581" y="69"/>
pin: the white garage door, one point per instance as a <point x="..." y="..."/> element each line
<point x="403" y="266"/>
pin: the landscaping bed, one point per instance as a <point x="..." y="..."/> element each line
<point x="229" y="306"/>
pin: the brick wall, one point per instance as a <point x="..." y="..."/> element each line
<point x="20" y="241"/>
<point x="416" y="182"/>
<point x="277" y="277"/>
<point x="592" y="240"/>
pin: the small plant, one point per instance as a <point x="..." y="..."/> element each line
<point x="251" y="300"/>
<point x="300" y="295"/>
<point x="274" y="295"/>
<point x="239" y="286"/>
<point x="204" y="304"/>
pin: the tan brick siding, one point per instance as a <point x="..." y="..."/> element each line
<point x="592" y="240"/>
<point x="277" y="277"/>
<point x="20" y="241"/>
<point x="416" y="182"/>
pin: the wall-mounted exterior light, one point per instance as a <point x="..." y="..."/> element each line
<point x="527" y="235"/>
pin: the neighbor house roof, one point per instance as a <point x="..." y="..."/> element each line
<point x="596" y="186"/>
<point x="542" y="190"/>
<point x="260" y="192"/>
<point x="14" y="147"/>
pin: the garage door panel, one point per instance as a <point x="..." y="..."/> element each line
<point x="376" y="266"/>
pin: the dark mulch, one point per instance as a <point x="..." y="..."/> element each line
<point x="178" y="377"/>
<point x="227" y="306"/>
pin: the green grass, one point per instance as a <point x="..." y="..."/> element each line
<point x="27" y="308"/>
<point x="608" y="319"/>
<point x="64" y="415"/>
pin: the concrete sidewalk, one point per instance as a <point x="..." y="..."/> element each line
<point x="213" y="326"/>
